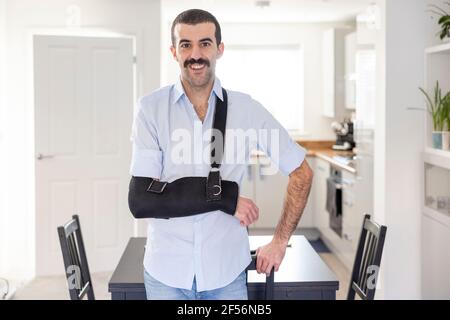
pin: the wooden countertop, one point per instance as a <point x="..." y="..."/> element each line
<point x="323" y="150"/>
<point x="320" y="149"/>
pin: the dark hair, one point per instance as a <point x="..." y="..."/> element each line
<point x="193" y="17"/>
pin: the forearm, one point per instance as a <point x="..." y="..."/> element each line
<point x="299" y="186"/>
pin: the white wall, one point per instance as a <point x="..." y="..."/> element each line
<point x="379" y="143"/>
<point x="307" y="35"/>
<point x="399" y="140"/>
<point x="2" y="133"/>
<point x="138" y="17"/>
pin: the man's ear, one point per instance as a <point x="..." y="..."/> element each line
<point x="220" y="49"/>
<point x="174" y="52"/>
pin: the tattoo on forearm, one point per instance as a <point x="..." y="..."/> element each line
<point x="298" y="189"/>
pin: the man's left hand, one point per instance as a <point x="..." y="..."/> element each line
<point x="270" y="256"/>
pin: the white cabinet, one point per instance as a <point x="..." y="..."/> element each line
<point x="350" y="71"/>
<point x="435" y="258"/>
<point x="365" y="88"/>
<point x="268" y="192"/>
<point x="328" y="72"/>
<point x="333" y="71"/>
<point x="319" y="194"/>
<point x="352" y="218"/>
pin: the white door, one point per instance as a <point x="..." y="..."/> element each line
<point x="83" y="116"/>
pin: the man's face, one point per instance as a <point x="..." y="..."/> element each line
<point x="196" y="52"/>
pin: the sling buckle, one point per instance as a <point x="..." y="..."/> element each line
<point x="213" y="185"/>
<point x="157" y="186"/>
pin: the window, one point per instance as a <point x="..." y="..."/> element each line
<point x="272" y="75"/>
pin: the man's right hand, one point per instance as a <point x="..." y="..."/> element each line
<point x="246" y="211"/>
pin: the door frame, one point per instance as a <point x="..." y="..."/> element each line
<point x="136" y="35"/>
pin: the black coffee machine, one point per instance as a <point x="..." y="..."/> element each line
<point x="344" y="134"/>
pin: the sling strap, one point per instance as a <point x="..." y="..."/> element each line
<point x="214" y="181"/>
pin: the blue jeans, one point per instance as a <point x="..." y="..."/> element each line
<point x="236" y="290"/>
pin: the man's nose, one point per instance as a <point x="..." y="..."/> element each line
<point x="196" y="53"/>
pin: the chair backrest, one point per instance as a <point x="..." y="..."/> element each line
<point x="268" y="294"/>
<point x="75" y="261"/>
<point x="367" y="260"/>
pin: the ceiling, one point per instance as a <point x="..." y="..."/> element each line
<point x="299" y="11"/>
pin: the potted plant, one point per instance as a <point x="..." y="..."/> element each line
<point x="446" y="117"/>
<point x="444" y="20"/>
<point x="435" y="109"/>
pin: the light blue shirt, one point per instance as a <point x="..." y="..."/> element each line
<point x="213" y="246"/>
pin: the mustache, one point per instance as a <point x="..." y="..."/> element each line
<point x="193" y="61"/>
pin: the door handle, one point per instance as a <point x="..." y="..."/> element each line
<point x="40" y="156"/>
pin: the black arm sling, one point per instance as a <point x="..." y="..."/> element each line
<point x="187" y="196"/>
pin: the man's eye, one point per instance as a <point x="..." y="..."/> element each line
<point x="184" y="45"/>
<point x="206" y="44"/>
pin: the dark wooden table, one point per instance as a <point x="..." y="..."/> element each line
<point x="302" y="275"/>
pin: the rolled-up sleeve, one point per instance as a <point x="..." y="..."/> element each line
<point x="146" y="160"/>
<point x="275" y="142"/>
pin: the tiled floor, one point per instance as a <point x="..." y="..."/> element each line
<point x="341" y="273"/>
<point x="51" y="288"/>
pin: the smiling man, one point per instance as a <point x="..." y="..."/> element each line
<point x="205" y="256"/>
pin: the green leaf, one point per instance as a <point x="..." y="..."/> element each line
<point x="446" y="110"/>
<point x="439" y="107"/>
<point x="430" y="104"/>
<point x="444" y="19"/>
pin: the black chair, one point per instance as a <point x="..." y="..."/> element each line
<point x="268" y="294"/>
<point x="367" y="260"/>
<point x="75" y="261"/>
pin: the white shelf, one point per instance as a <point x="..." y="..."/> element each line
<point x="441" y="48"/>
<point x="438" y="216"/>
<point x="437" y="157"/>
<point x="438" y="152"/>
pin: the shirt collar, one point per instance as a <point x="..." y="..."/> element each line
<point x="178" y="91"/>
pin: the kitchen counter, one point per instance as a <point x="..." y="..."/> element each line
<point x="323" y="150"/>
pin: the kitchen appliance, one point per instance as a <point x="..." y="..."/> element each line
<point x="344" y="134"/>
<point x="334" y="200"/>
